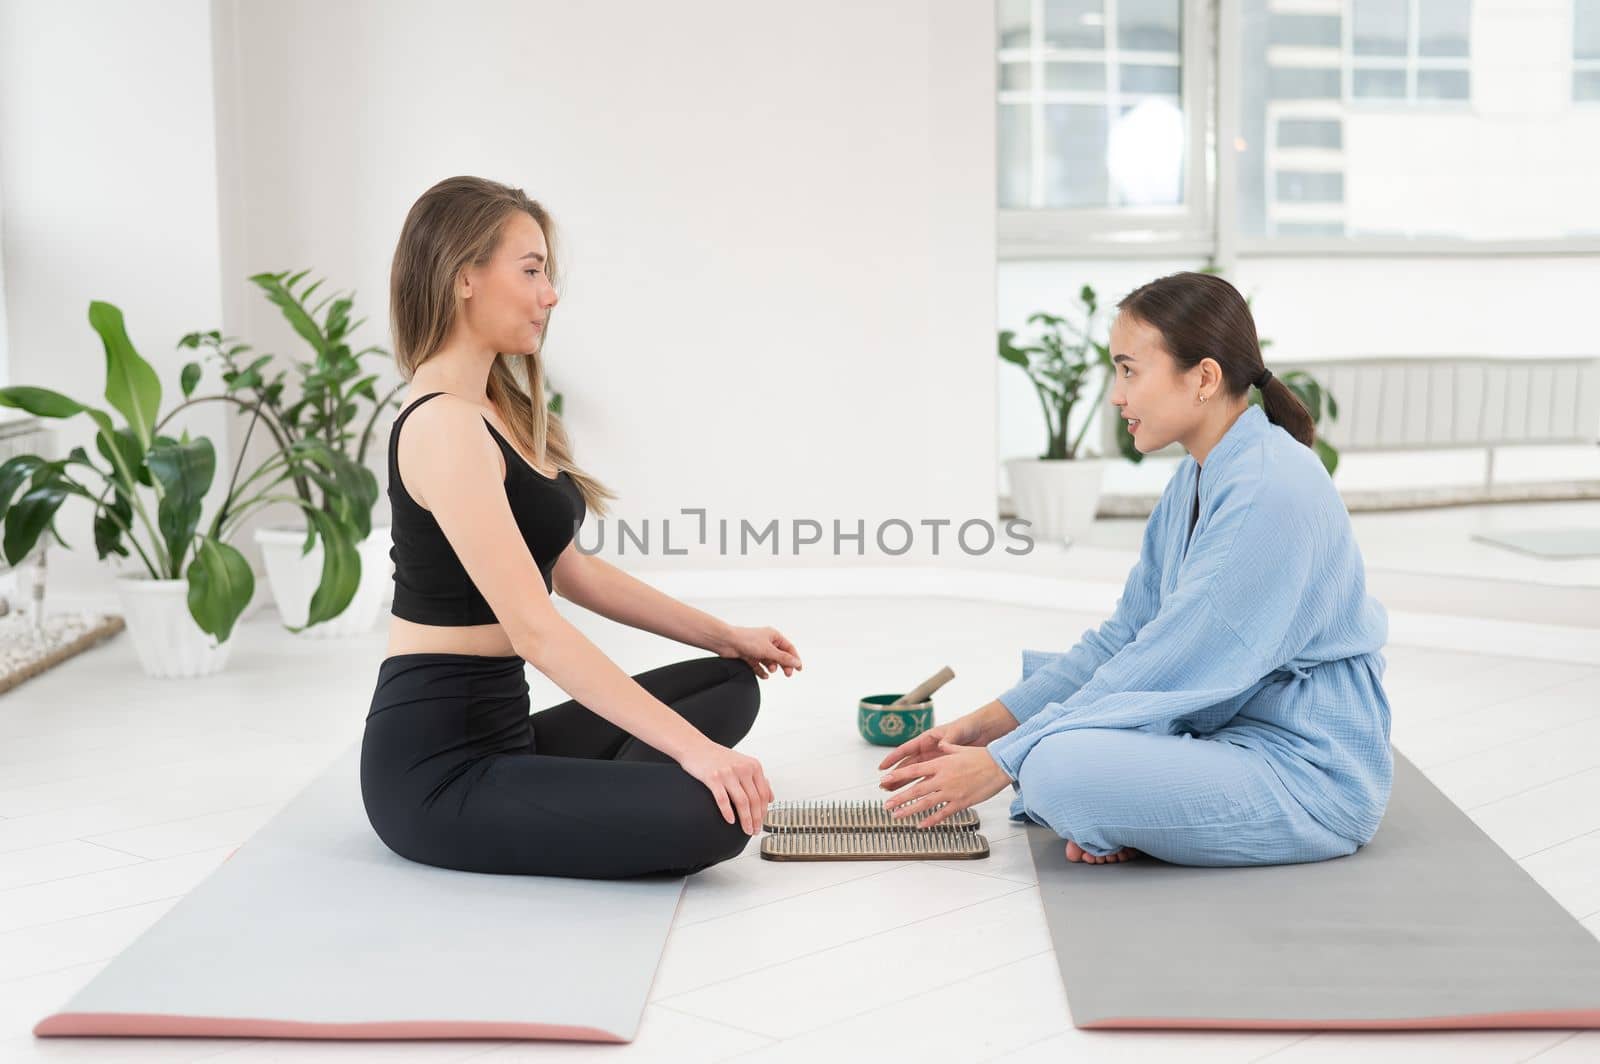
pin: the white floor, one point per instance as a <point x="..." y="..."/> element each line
<point x="119" y="793"/>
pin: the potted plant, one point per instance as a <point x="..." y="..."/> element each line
<point x="1058" y="492"/>
<point x="332" y="392"/>
<point x="182" y="609"/>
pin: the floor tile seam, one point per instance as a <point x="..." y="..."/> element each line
<point x="1517" y="794"/>
<point x="140" y="827"/>
<point x="839" y="1021"/>
<point x="1539" y="787"/>
<point x="1571" y="724"/>
<point x="850" y="942"/>
<point x="890" y="867"/>
<point x="1550" y="1047"/>
<point x="85" y="916"/>
<point x="767" y="1038"/>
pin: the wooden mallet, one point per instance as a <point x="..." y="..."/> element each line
<point x="924" y="690"/>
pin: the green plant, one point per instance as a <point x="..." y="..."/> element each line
<point x="1317" y="401"/>
<point x="1059" y="365"/>
<point x="332" y="388"/>
<point x="179" y="473"/>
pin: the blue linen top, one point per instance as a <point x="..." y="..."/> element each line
<point x="1257" y="630"/>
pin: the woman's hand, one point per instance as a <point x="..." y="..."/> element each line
<point x="979" y="728"/>
<point x="959" y="777"/>
<point x="764" y="649"/>
<point x="734" y="780"/>
<point x="963" y="731"/>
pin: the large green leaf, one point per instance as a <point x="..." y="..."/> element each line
<point x="107" y="532"/>
<point x="128" y="450"/>
<point x="1326" y="452"/>
<point x="341" y="569"/>
<point x="132" y="387"/>
<point x="12" y="475"/>
<point x="30" y="516"/>
<point x="40" y="402"/>
<point x="220" y="586"/>
<point x="185" y="471"/>
<point x="356" y="488"/>
<point x="338" y="319"/>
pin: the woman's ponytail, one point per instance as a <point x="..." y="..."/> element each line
<point x="1283" y="407"/>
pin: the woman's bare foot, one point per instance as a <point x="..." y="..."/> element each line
<point x="1077" y="853"/>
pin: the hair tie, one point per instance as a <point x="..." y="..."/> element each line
<point x="1266" y="375"/>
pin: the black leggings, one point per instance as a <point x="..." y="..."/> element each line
<point x="456" y="773"/>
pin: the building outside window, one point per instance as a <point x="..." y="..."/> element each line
<point x="1333" y="125"/>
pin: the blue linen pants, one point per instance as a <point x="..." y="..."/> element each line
<point x="1185" y="799"/>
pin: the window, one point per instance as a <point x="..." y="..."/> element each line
<point x="1585" y="50"/>
<point x="1412" y="51"/>
<point x="1323" y="60"/>
<point x="1385" y="122"/>
<point x="1227" y="127"/>
<point x="1097" y="130"/>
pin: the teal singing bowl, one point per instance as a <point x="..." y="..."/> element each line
<point x="883" y="726"/>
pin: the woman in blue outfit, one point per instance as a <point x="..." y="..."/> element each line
<point x="1231" y="711"/>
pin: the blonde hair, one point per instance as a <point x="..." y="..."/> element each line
<point x="454" y="224"/>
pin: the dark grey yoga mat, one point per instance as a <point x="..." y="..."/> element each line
<point x="314" y="929"/>
<point x="1431" y="925"/>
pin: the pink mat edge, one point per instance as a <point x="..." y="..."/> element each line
<point x="156" y="1025"/>
<point x="1547" y="1018"/>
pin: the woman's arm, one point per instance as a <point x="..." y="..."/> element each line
<point x="1048" y="677"/>
<point x="595" y="584"/>
<point x="463" y="489"/>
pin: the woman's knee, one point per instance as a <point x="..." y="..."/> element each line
<point x="739" y="700"/>
<point x="1074" y="783"/>
<point x="705" y="843"/>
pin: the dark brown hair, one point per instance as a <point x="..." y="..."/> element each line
<point x="1200" y="316"/>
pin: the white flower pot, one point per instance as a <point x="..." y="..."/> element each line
<point x="1057" y="497"/>
<point x="166" y="637"/>
<point x="294" y="579"/>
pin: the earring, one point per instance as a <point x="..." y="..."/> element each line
<point x="1202" y="398"/>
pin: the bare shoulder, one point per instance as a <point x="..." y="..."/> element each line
<point x="444" y="448"/>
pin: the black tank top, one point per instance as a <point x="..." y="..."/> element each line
<point x="431" y="586"/>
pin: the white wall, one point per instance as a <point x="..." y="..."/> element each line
<point x="107" y="173"/>
<point x="777" y="223"/>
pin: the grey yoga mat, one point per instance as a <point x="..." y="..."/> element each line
<point x="314" y="929"/>
<point x="1431" y="925"/>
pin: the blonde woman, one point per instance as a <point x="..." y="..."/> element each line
<point x="634" y="775"/>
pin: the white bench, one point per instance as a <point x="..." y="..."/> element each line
<point x="1449" y="403"/>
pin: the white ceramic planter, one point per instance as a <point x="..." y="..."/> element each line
<point x="165" y="636"/>
<point x="294" y="578"/>
<point x="1057" y="498"/>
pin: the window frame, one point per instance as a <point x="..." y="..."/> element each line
<point x="1411" y="64"/>
<point x="1207" y="228"/>
<point x="1052" y="232"/>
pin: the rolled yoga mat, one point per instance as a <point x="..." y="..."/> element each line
<point x="1429" y="926"/>
<point x="314" y="929"/>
